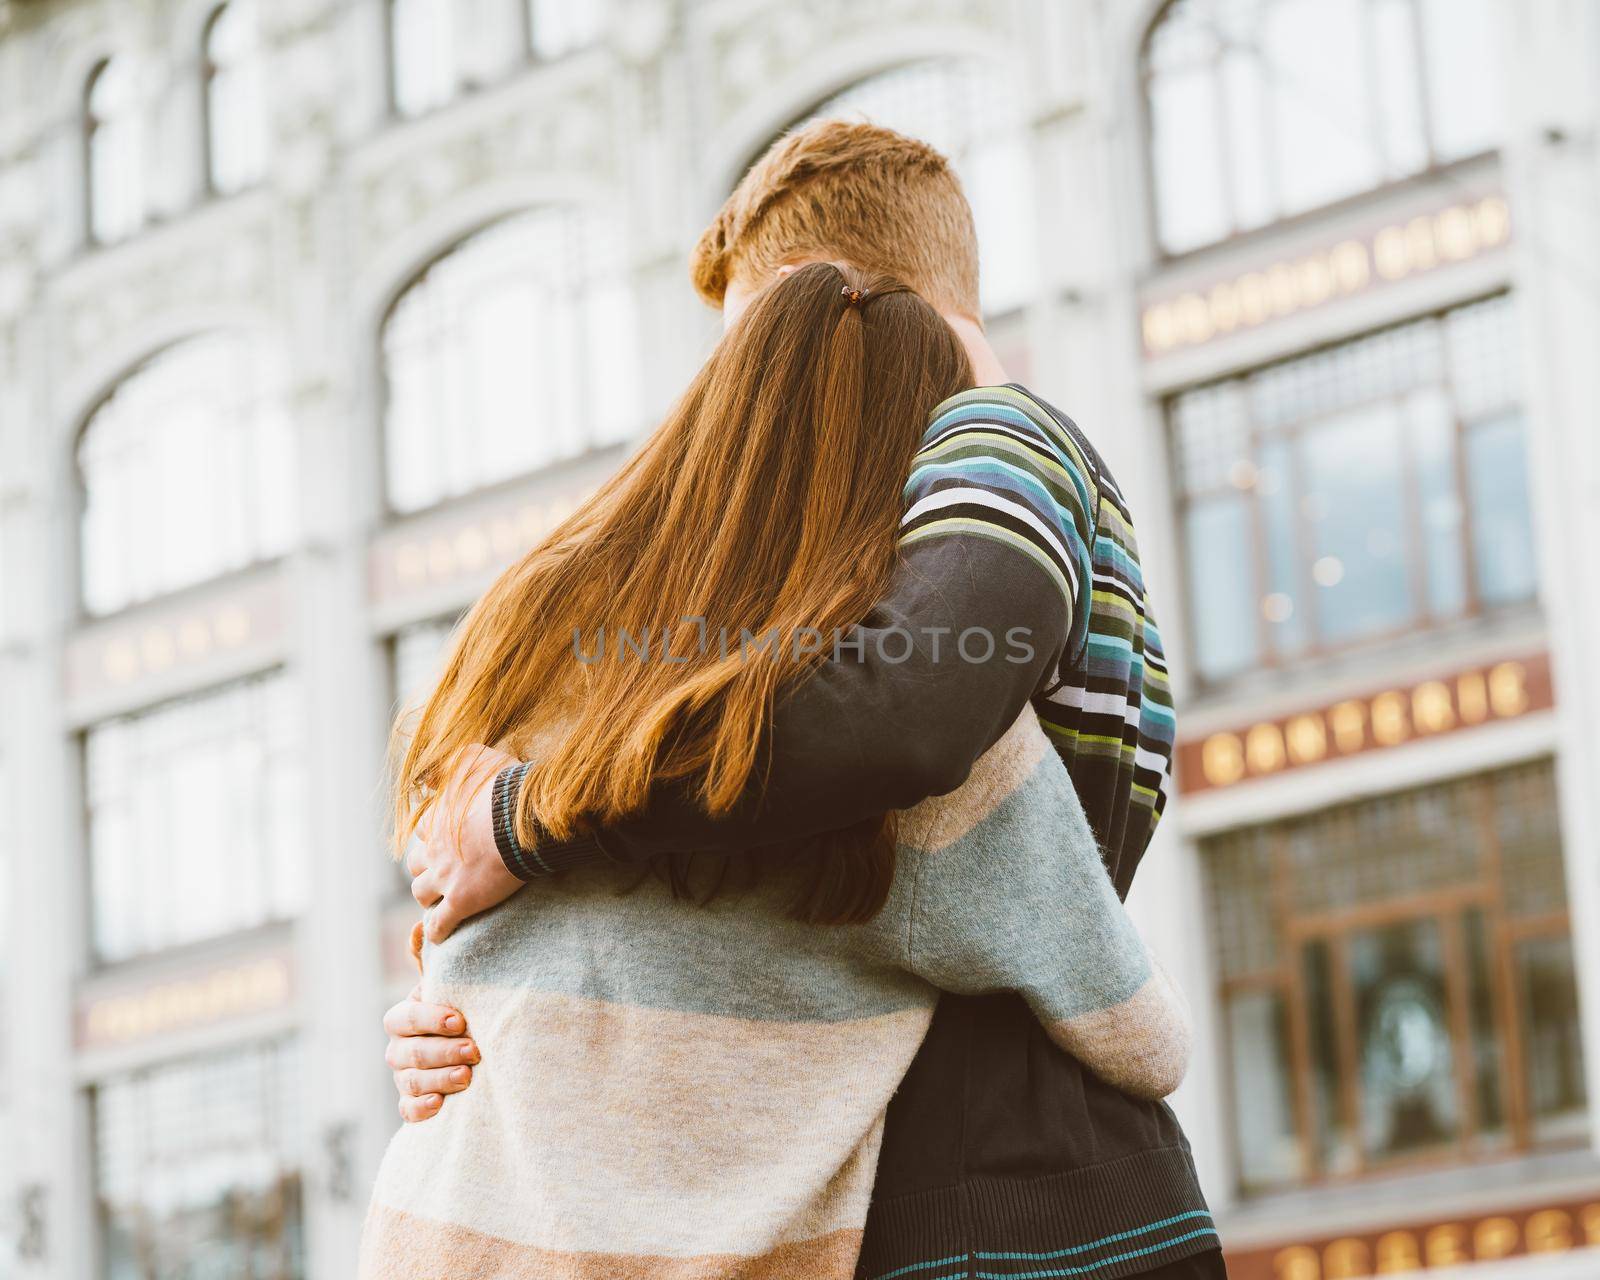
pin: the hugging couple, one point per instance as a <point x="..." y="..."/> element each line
<point x="826" y="971"/>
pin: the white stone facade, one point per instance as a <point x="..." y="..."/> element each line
<point x="655" y="121"/>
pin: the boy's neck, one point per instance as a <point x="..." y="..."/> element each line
<point x="987" y="371"/>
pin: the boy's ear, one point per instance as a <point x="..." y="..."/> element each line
<point x="708" y="264"/>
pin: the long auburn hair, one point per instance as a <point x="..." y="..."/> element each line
<point x="766" y="503"/>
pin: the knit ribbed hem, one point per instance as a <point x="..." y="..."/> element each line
<point x="1111" y="1220"/>
<point x="547" y="855"/>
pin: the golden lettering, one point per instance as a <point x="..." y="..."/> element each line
<point x="1389" y="723"/>
<point x="1160" y="328"/>
<point x="1225" y="307"/>
<point x="1315" y="281"/>
<point x="1297" y="1263"/>
<point x="1222" y="759"/>
<point x="1453" y="231"/>
<point x="1346" y="1259"/>
<point x="1445" y="1245"/>
<point x="1508" y="689"/>
<point x="1589" y="1215"/>
<point x="1419" y="242"/>
<point x="1263" y="748"/>
<point x="1194" y="320"/>
<point x="1349" y="721"/>
<point x="1397" y="1251"/>
<point x="1351" y="269"/>
<point x="1472" y="697"/>
<point x="1392" y="255"/>
<point x="1281" y="291"/>
<point x="1494" y="1238"/>
<point x="1254" y="303"/>
<point x="1549" y="1231"/>
<point x="1308" y="739"/>
<point x="1493" y="219"/>
<point x="1431" y="709"/>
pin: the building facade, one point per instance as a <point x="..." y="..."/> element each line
<point x="313" y="314"/>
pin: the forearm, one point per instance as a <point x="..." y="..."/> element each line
<point x="968" y="632"/>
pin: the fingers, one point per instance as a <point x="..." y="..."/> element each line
<point x="415" y="1109"/>
<point x="418" y="1083"/>
<point x="442" y="920"/>
<point x="425" y="888"/>
<point x="428" y="1053"/>
<point x="414" y="1018"/>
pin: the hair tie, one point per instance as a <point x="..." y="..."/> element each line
<point x="853" y="297"/>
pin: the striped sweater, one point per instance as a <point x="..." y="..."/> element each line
<point x="683" y="1092"/>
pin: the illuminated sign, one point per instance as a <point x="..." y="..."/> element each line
<point x="413" y="561"/>
<point x="1390" y="718"/>
<point x="1285" y="288"/>
<point x="1556" y="1228"/>
<point x="179" y="1004"/>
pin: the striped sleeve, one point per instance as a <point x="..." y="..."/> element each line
<point x="994" y="465"/>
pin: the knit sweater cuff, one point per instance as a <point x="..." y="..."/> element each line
<point x="546" y="855"/>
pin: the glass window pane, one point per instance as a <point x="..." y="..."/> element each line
<point x="1247" y="97"/>
<point x="1283" y="605"/>
<point x="1409" y="1100"/>
<point x="197" y="1168"/>
<point x="1335" y="1143"/>
<point x="115" y="134"/>
<point x="557" y="27"/>
<point x="1433" y="441"/>
<point x="1326" y="141"/>
<point x="1466" y="87"/>
<point x="1502" y="516"/>
<point x="187" y="473"/>
<point x="492" y="356"/>
<point x="196" y="819"/>
<point x="1488" y="1053"/>
<point x="1263" y="1105"/>
<point x="236" y="141"/>
<point x="1218" y="552"/>
<point x="423" y="54"/>
<point x="1553" y="1052"/>
<point x="1185" y="132"/>
<point x="1404" y="134"/>
<point x="1354" y="506"/>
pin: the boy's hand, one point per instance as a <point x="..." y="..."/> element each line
<point x="428" y="1054"/>
<point x="456" y="882"/>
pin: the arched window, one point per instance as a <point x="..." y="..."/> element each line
<point x="973" y="115"/>
<point x="424" y="70"/>
<point x="1259" y="111"/>
<point x="113" y="148"/>
<point x="187" y="471"/>
<point x="515" y="349"/>
<point x="558" y="27"/>
<point x="235" y="115"/>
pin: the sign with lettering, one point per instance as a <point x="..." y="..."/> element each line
<point x="1420" y="1247"/>
<point x="1387" y="253"/>
<point x="183" y="1002"/>
<point x="1388" y="718"/>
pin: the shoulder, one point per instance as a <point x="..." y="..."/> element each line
<point x="997" y="458"/>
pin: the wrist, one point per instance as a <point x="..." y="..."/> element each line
<point x="546" y="855"/>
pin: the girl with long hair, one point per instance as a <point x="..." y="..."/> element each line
<point x="686" y="1075"/>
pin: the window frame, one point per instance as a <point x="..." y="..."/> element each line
<point x="1506" y="934"/>
<point x="1417" y="556"/>
<point x="1435" y="170"/>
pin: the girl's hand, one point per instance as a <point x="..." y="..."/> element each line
<point x="455" y="882"/>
